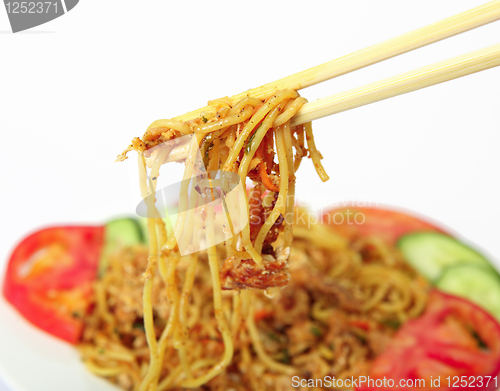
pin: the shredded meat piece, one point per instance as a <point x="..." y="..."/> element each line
<point x="293" y="306"/>
<point x="301" y="337"/>
<point x="337" y="326"/>
<point x="344" y="296"/>
<point x="245" y="273"/>
<point x="339" y="294"/>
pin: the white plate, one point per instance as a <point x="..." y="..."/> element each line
<point x="32" y="360"/>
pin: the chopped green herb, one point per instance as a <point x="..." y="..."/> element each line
<point x="139" y="326"/>
<point x="274" y="337"/>
<point x="316" y="331"/>
<point x="392" y="323"/>
<point x="101" y="351"/>
<point x="361" y="337"/>
<point x="204" y="119"/>
<point x="248" y="148"/>
<point x="76" y="315"/>
<point x="207" y="145"/>
<point x="285" y="359"/>
<point x="209" y="148"/>
<point x="249" y="143"/>
<point x="206" y="158"/>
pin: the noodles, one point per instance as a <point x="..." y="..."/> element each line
<point x="170" y="124"/>
<point x="315" y="154"/>
<point x="219" y="316"/>
<point x="289" y="112"/>
<point x="250" y="126"/>
<point x="255" y="128"/>
<point x="207" y="324"/>
<point x="148" y="287"/>
<point x="261" y="353"/>
<point x="344" y="302"/>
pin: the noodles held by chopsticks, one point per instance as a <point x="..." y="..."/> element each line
<point x="176" y="338"/>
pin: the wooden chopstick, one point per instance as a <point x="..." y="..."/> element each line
<point x="412" y="40"/>
<point x="393" y="86"/>
<point x="440" y="72"/>
<point x="401" y="84"/>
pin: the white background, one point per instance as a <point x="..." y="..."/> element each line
<point x="75" y="91"/>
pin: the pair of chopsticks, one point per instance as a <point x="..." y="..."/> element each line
<point x="401" y="84"/>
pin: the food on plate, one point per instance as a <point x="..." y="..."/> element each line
<point x="344" y="301"/>
<point x="242" y="289"/>
<point x="351" y="303"/>
<point x="240" y="138"/>
<point x="450" y="264"/>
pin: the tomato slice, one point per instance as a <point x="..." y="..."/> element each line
<point x="389" y="225"/>
<point x="454" y="341"/>
<point x="49" y="278"/>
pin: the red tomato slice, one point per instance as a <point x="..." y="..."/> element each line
<point x="442" y="343"/>
<point x="386" y="224"/>
<point x="49" y="278"/>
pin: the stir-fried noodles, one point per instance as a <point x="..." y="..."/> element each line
<point x="344" y="301"/>
<point x="204" y="318"/>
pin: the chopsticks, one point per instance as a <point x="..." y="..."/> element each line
<point x="406" y="82"/>
<point x="439" y="72"/>
<point x="446" y="28"/>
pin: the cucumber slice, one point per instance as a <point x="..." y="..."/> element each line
<point x="119" y="232"/>
<point x="431" y="252"/>
<point x="477" y="283"/>
<point x="143" y="225"/>
<point x="124" y="231"/>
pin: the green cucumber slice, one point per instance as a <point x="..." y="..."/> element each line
<point x="124" y="231"/>
<point x="143" y="225"/>
<point x="479" y="284"/>
<point x="431" y="252"/>
<point x="120" y="232"/>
